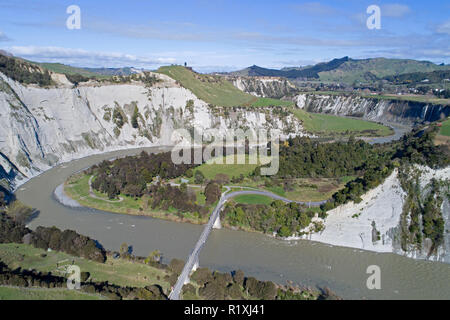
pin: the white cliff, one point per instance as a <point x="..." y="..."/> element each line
<point x="374" y="223"/>
<point x="266" y="87"/>
<point x="374" y="109"/>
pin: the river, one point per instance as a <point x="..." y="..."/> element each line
<point x="303" y="262"/>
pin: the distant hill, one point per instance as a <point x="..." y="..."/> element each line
<point x="88" y="72"/>
<point x="65" y="69"/>
<point x="347" y="70"/>
<point x="126" y="71"/>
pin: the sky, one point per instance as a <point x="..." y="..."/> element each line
<point x="223" y="35"/>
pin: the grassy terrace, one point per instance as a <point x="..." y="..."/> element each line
<point x="445" y="129"/>
<point x="325" y="125"/>
<point x="443" y="138"/>
<point x="116" y="271"/>
<point x="211" y="169"/>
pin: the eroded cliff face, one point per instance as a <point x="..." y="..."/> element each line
<point x="40" y="127"/>
<point x="266" y="87"/>
<point x="402" y="112"/>
<point x="381" y="222"/>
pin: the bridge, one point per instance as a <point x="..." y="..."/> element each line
<point x="192" y="262"/>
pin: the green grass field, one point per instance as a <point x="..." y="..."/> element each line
<point x="116" y="271"/>
<point x="253" y="199"/>
<point x="210" y="169"/>
<point x="445" y="129"/>
<point x="269" y="102"/>
<point x="216" y="90"/>
<point x="324" y="124"/>
<point x="13" y="293"/>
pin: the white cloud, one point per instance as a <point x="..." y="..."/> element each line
<point x="444" y="28"/>
<point x="4" y="37"/>
<point x="395" y="10"/>
<point x="85" y="58"/>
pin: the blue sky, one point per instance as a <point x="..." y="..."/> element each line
<point x="221" y="35"/>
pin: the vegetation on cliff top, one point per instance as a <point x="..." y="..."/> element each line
<point x="216" y="90"/>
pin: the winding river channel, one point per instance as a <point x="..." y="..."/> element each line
<point x="303" y="262"/>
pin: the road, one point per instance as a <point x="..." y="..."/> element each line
<point x="194" y="256"/>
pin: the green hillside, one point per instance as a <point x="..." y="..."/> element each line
<point x="347" y="70"/>
<point x="65" y="69"/>
<point x="369" y="69"/>
<point x="216" y="90"/>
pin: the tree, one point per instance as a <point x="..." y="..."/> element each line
<point x="212" y="193"/>
<point x="2" y="199"/>
<point x="124" y="249"/>
<point x="153" y="256"/>
<point x="238" y="277"/>
<point x="189" y="173"/>
<point x="176" y="265"/>
<point x="199" y="177"/>
<point x="134" y="118"/>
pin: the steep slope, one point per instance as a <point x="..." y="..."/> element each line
<point x="266" y="87"/>
<point x="216" y="90"/>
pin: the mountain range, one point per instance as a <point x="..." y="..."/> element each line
<point x="346" y="70"/>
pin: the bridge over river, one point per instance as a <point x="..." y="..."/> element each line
<point x="214" y="221"/>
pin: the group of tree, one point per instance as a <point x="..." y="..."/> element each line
<point x="304" y="157"/>
<point x="236" y="286"/>
<point x="422" y="217"/>
<point x="278" y="218"/>
<point x="417" y="147"/>
<point x="24" y="72"/>
<point x="68" y="241"/>
<point x="130" y="175"/>
<point x="182" y="199"/>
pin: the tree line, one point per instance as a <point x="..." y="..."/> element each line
<point x="24" y="72"/>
